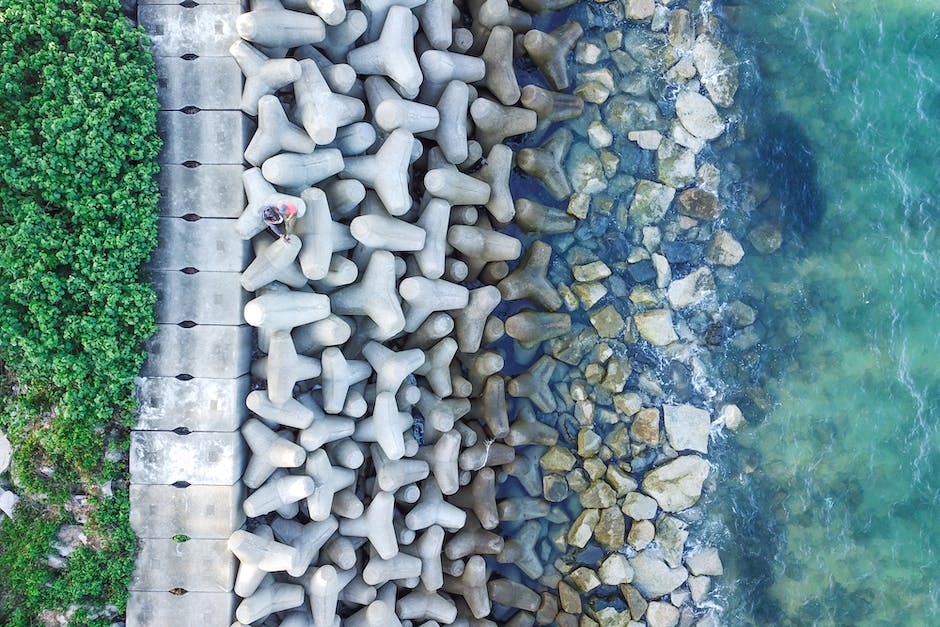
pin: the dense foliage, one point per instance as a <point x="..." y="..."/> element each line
<point x="78" y="147"/>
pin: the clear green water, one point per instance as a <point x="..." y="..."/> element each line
<point x="828" y="506"/>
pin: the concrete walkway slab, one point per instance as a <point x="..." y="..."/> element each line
<point x="174" y="30"/>
<point x="203" y="82"/>
<point x="210" y="352"/>
<point x="208" y="245"/>
<point x="203" y="297"/>
<point x="206" y="137"/>
<point x="202" y="458"/>
<point x="200" y="512"/>
<point x="168" y="403"/>
<point x="209" y="191"/>
<point x="193" y="565"/>
<point x="194" y="609"/>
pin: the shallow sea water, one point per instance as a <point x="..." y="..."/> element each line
<point x="826" y="508"/>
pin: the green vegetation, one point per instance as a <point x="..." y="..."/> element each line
<point x="78" y="197"/>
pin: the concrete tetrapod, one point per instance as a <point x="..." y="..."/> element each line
<point x="551" y="106"/>
<point x="549" y="51"/>
<point x="392" y="54"/>
<point x="322" y="112"/>
<point x="263" y="76"/>
<point x="275" y="133"/>
<point x="275" y="27"/>
<point x="376" y="525"/>
<point x="386" y="171"/>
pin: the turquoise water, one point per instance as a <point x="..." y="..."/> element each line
<point x="827" y="507"/>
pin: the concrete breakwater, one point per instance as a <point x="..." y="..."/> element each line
<point x="417" y="455"/>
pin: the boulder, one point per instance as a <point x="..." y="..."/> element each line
<point x="698" y="115"/>
<point x="610" y="529"/>
<point x="655" y="326"/>
<point x="639" y="506"/>
<point x="652" y="577"/>
<point x="598" y="495"/>
<point x="671" y="534"/>
<point x="766" y="238"/>
<point x="608" y="322"/>
<point x="641" y="534"/>
<point x="677" y="485"/>
<point x="6" y="453"/>
<point x="615" y="570"/>
<point x="645" y="427"/>
<point x="650" y="202"/>
<point x="675" y="165"/>
<point x="624" y="114"/>
<point x="731" y="417"/>
<point x="583" y="528"/>
<point x="705" y="561"/>
<point x="691" y="289"/>
<point x="687" y="427"/>
<point x="723" y="249"/>
<point x="718" y="66"/>
<point x="659" y="614"/>
<point x="698" y="203"/>
<point x="585" y="171"/>
<point x="647" y="140"/>
<point x="639" y="9"/>
<point x="609" y="617"/>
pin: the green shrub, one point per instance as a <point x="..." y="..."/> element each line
<point x="78" y="200"/>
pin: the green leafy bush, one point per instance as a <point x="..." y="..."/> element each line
<point x="78" y="199"/>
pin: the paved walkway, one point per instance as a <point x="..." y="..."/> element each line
<point x="186" y="454"/>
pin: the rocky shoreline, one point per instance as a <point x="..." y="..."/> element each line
<point x="446" y="435"/>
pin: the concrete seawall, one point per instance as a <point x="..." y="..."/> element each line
<point x="187" y="456"/>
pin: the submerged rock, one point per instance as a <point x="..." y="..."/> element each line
<point x="677" y="485"/>
<point x="675" y="165"/>
<point x="650" y="202"/>
<point x="766" y="238"/>
<point x="724" y="249"/>
<point x="698" y="203"/>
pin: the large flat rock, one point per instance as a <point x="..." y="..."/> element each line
<point x="202" y="297"/>
<point x="201" y="458"/>
<point x="208" y="245"/>
<point x="168" y="403"/>
<point x="193" y="565"/>
<point x="198" y="511"/>
<point x="163" y="609"/>
<point x="209" y="191"/>
<point x="207" y="351"/>
<point x="206" y="29"/>
<point x="203" y="82"/>
<point x="206" y="137"/>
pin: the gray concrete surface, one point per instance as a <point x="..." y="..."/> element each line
<point x="203" y="297"/>
<point x="209" y="245"/>
<point x="193" y="565"/>
<point x="209" y="191"/>
<point x="187" y="455"/>
<point x="199" y="404"/>
<point x="199" y="458"/>
<point x="174" y="30"/>
<point x="203" y="82"/>
<point x="213" y="352"/>
<point x="197" y="511"/>
<point x="193" y="609"/>
<point x="207" y="137"/>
